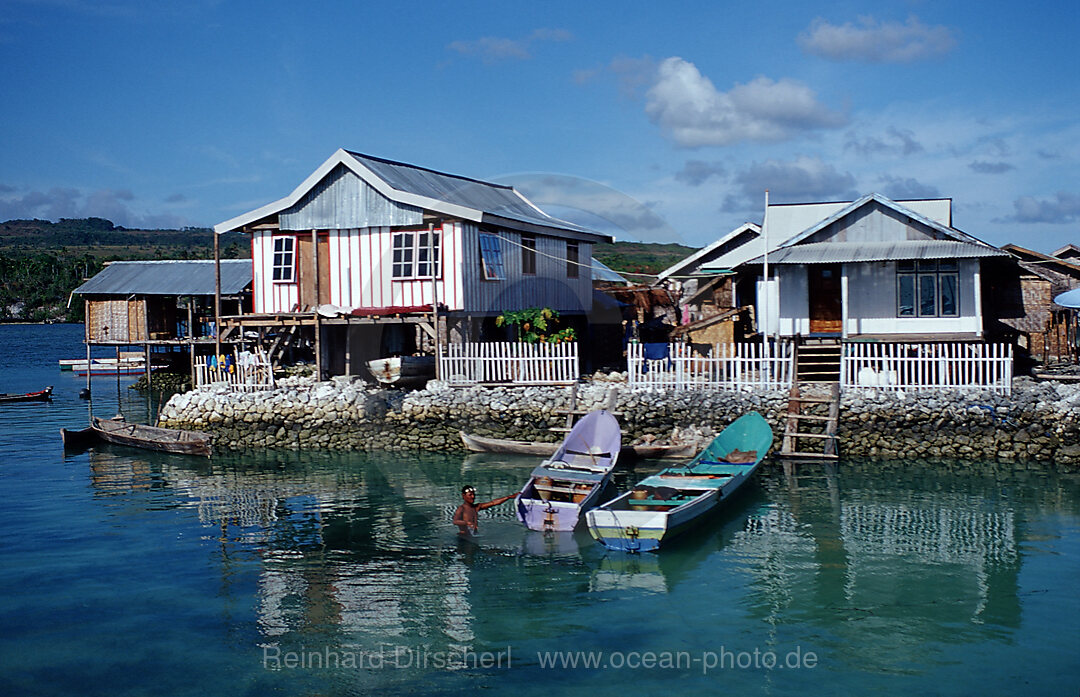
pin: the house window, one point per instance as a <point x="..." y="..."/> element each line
<point x="491" y="257"/>
<point x="412" y="253"/>
<point x="927" y="288"/>
<point x="284" y="263"/>
<point x="528" y="255"/>
<point x="571" y="259"/>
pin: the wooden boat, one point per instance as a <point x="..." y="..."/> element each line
<point x="403" y="371"/>
<point x="668" y="503"/>
<point x="78" y="438"/>
<point x="573" y="479"/>
<point x="40" y="396"/>
<point x="645" y="451"/>
<point x="120" y="432"/>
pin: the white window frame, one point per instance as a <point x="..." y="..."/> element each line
<point x="283" y="259"/>
<point x="410" y="250"/>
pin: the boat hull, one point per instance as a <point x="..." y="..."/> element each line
<point x="574" y="478"/>
<point x="41" y="396"/>
<point x="557" y="516"/>
<point x="78" y="438"/>
<point x="403" y="371"/>
<point x="153" y="438"/>
<point x="674" y="500"/>
<point x="506" y="446"/>
<point x="629" y="530"/>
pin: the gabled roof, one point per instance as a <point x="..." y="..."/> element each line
<point x="440" y="193"/>
<point x="788" y="225"/>
<point x="1069" y="251"/>
<point x="888" y="203"/>
<point x="840" y="252"/>
<point x="681" y="267"/>
<point x="181" y="277"/>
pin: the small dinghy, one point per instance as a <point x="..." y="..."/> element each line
<point x="572" y="480"/>
<point x="666" y="504"/>
<point x="120" y="432"/>
<point x="14" y="397"/>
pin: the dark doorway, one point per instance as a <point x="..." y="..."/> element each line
<point x="826" y="309"/>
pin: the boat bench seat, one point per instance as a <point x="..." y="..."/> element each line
<point x="554" y="488"/>
<point x="673" y="501"/>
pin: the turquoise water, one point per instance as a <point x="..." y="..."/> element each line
<point x="129" y="573"/>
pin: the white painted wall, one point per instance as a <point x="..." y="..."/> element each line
<point x="871" y="300"/>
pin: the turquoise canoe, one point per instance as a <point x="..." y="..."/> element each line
<point x="662" y="506"/>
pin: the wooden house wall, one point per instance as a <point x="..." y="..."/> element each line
<point x="548" y="287"/>
<point x="872" y="304"/>
<point x="116" y="319"/>
<point x="360" y="271"/>
<point x="268" y="296"/>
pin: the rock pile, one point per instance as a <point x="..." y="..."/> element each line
<point x="1038" y="421"/>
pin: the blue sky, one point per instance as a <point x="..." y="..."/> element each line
<point x="669" y="119"/>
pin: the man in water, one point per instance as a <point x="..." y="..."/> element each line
<point x="465" y="515"/>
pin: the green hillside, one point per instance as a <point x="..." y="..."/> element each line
<point x="41" y="262"/>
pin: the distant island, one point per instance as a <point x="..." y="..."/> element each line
<point x="42" y="262"/>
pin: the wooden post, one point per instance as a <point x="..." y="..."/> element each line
<point x="191" y="337"/>
<point x="217" y="294"/>
<point x="434" y="295"/>
<point x="148" y="377"/>
<point x="318" y="290"/>
<point x="88" y="364"/>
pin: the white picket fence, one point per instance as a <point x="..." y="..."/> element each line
<point x="249" y="372"/>
<point x="898" y="366"/>
<point x="728" y="366"/>
<point x="509" y="363"/>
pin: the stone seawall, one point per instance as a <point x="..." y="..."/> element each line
<point x="1039" y="421"/>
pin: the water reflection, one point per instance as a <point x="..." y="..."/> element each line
<point x="357" y="551"/>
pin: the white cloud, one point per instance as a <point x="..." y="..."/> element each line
<point x="56" y="203"/>
<point x="692" y="112"/>
<point x="1063" y="208"/>
<point x="696" y="172"/>
<point x="872" y="41"/>
<point x="495" y="49"/>
<point x="983" y="167"/>
<point x="803" y="179"/>
<point x="906" y="188"/>
<point x="896" y="141"/>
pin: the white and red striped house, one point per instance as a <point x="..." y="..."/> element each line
<point x="364" y="236"/>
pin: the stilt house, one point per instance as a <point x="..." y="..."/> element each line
<point x="365" y="250"/>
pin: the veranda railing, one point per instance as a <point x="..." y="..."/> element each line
<point x="727" y="366"/>
<point x="509" y="363"/>
<point x="906" y="366"/>
<point x="245" y="371"/>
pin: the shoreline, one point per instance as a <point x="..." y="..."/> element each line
<point x="1039" y="421"/>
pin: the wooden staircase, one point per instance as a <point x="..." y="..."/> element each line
<point x="818" y="360"/>
<point x="814" y="403"/>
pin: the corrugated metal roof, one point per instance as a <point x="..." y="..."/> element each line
<point x="168" y="278"/>
<point x="495" y="199"/>
<point x="426" y="190"/>
<point x="838" y="252"/>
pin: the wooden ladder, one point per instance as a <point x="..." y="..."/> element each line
<point x="806" y="421"/>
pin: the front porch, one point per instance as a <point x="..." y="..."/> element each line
<point x="860" y="363"/>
